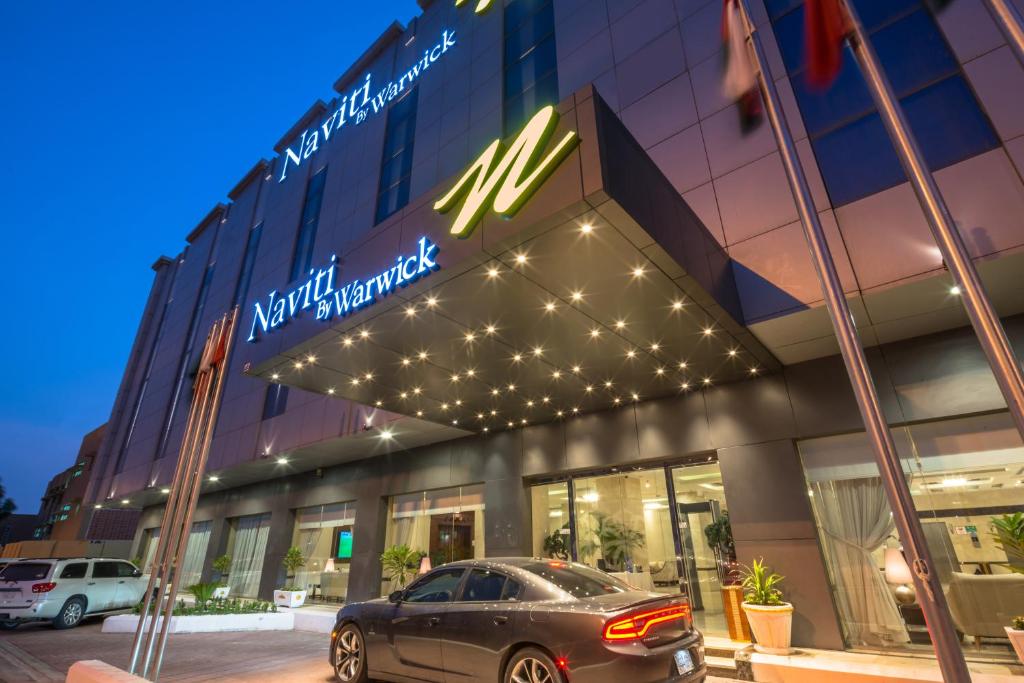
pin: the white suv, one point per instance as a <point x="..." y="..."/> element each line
<point x="64" y="591"/>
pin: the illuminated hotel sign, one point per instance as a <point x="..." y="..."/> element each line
<point x="328" y="300"/>
<point x="361" y="103"/>
<point x="481" y="5"/>
<point x="505" y="179"/>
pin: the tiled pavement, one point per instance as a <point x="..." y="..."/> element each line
<point x="39" y="654"/>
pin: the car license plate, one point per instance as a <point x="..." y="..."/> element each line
<point x="684" y="662"/>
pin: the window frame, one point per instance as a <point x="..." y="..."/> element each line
<point x="426" y="578"/>
<point x="465" y="584"/>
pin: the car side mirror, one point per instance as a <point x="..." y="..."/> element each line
<point x="396" y="597"/>
<point x="137" y="573"/>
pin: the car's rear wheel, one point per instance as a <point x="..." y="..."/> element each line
<point x="350" y="655"/>
<point x="70" y="614"/>
<point x="531" y="665"/>
<point x="8" y="625"/>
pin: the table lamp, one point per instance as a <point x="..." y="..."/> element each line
<point x="897" y="573"/>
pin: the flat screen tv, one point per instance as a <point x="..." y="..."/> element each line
<point x="344" y="545"/>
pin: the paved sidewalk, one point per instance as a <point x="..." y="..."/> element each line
<point x="43" y="655"/>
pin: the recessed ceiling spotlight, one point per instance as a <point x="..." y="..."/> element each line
<point x="282" y="460"/>
<point x="732" y="353"/>
<point x="410" y="311"/>
<point x="638" y="271"/>
<point x="617" y="400"/>
<point x="416" y="390"/>
<point x="431" y="301"/>
<point x="521" y="259"/>
<point x="419" y="413"/>
<point x="620" y="324"/>
<point x="458" y="401"/>
<point x="275" y="377"/>
<point x="493" y="412"/>
<point x="523" y="421"/>
<point x="677" y="305"/>
<point x="492" y="272"/>
<point x="549" y="306"/>
<point x="707" y="380"/>
<point x="529" y="404"/>
<point x="577" y="369"/>
<point x="491" y="329"/>
<point x="368" y="377"/>
<point x="330" y="390"/>
<point x="635" y="396"/>
<point x="708" y="331"/>
<point x="495" y="392"/>
<point x="422" y="355"/>
<point x="655" y="346"/>
<point x="754" y="370"/>
<point x="511" y="423"/>
<point x="444" y="406"/>
<point x="365" y="334"/>
<point x="379" y="403"/>
<point x="311" y="358"/>
<point x="556" y="374"/>
<point x="471" y="373"/>
<point x="213" y="477"/>
<point x="386" y="434"/>
<point x="684" y="386"/>
<point x="298" y="365"/>
<point x="586" y="228"/>
<point x="511" y="387"/>
<point x="455" y="421"/>
<point x="486" y="429"/>
<point x="682" y="365"/>
<point x="517" y="358"/>
<point x="355" y="381"/>
<point x="660" y="371"/>
<point x="955" y="290"/>
<point x="575" y="410"/>
<point x="347" y="341"/>
<point x="608" y="384"/>
<point x="595" y="333"/>
<point x="404" y="395"/>
<point x="559" y="413"/>
<point x="589" y="388"/>
<point x="576" y="296"/>
<point x="631" y="354"/>
<point x="538" y="350"/>
<point x="546" y="399"/>
<point x="470" y="337"/>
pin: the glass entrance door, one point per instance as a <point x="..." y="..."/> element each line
<point x="700" y="508"/>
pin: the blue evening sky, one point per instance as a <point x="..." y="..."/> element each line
<point x="122" y="124"/>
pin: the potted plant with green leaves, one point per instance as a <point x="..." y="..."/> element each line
<point x="1015" y="632"/>
<point x="222" y="565"/>
<point x="556" y="544"/>
<point x="1009" y="535"/>
<point x="771" y="619"/>
<point x="399" y="564"/>
<point x="291" y="595"/>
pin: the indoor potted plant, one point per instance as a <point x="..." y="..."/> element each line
<point x="291" y="596"/>
<point x="1015" y="632"/>
<point x="770" y="618"/>
<point x="399" y="564"/>
<point x="222" y="565"/>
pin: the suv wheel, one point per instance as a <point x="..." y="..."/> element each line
<point x="70" y="614"/>
<point x="8" y="625"/>
<point x="530" y="665"/>
<point x="350" y="656"/>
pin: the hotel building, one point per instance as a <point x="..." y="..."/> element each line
<point x="607" y="360"/>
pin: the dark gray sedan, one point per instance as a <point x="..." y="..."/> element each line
<point x="518" y="620"/>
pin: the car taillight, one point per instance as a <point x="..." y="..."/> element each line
<point x="636" y="626"/>
<point x="43" y="587"/>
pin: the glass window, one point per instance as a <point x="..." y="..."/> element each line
<point x="27" y="571"/>
<point x="447" y="525"/>
<point x="577" y="580"/>
<point x="247" y="548"/>
<point x="531" y="61"/>
<point x="125" y="570"/>
<point x="75" y="570"/>
<point x="396" y="161"/>
<point x="552" y="535"/>
<point x="965" y="475"/>
<point x="483" y="585"/>
<point x="105" y="570"/>
<point x="437" y="587"/>
<point x="302" y="257"/>
<point x="848" y="137"/>
<point x="248" y="262"/>
<point x="324" y="535"/>
<point x="511" y="590"/>
<point x="275" y="401"/>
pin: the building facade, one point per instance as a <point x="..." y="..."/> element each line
<point x="61" y="508"/>
<point x="629" y="346"/>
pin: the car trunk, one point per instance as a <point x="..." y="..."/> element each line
<point x="654" y="619"/>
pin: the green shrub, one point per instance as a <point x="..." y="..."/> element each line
<point x="1018" y="623"/>
<point x="202" y="592"/>
<point x="222" y="565"/>
<point x="400" y="563"/>
<point x="1009" y="533"/>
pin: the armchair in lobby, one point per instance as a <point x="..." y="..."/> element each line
<point x="982" y="605"/>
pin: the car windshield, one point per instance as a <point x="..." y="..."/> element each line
<point x="577" y="580"/>
<point x="25" y="571"/>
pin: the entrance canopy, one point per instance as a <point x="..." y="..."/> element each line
<point x="602" y="290"/>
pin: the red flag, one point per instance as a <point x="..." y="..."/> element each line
<point x="740" y="79"/>
<point x="825" y="28"/>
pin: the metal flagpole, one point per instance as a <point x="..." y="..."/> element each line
<point x="986" y="323"/>
<point x="153" y="629"/>
<point x="933" y="603"/>
<point x="1011" y="23"/>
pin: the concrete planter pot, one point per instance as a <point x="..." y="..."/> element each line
<point x="772" y="626"/>
<point x="289" y="598"/>
<point x="1017" y="640"/>
<point x="221" y="592"/>
<point x="211" y="623"/>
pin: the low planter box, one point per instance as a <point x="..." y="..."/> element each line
<point x="289" y="598"/>
<point x="210" y="623"/>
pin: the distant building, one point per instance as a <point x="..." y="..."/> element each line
<point x="60" y="512"/>
<point x="17" y="528"/>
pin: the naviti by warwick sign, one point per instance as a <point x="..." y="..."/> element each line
<point x="329" y="301"/>
<point x="361" y="103"/>
<point x="507" y="178"/>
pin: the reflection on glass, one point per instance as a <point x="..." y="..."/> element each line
<point x="964" y="474"/>
<point x="324" y="535"/>
<point x="551" y="534"/>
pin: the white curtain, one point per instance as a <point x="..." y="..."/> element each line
<point x="855" y="517"/>
<point x="247" y="553"/>
<point x="195" y="554"/>
<point x="151" y="544"/>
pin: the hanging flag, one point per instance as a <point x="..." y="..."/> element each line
<point x="740" y="81"/>
<point x="825" y="29"/>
